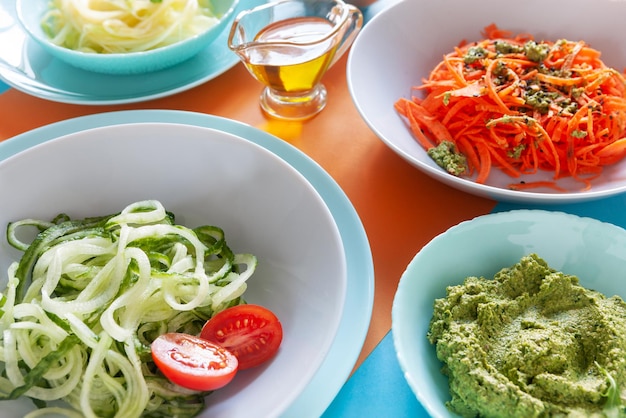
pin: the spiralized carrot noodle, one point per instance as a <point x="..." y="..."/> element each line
<point x="521" y="106"/>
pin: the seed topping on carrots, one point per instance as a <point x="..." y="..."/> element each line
<point x="521" y="106"/>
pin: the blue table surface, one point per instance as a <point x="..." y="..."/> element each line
<point x="368" y="13"/>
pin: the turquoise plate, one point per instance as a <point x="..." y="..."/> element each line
<point x="26" y="66"/>
<point x="354" y="324"/>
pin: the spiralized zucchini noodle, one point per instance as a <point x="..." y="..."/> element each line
<point x="123" y="26"/>
<point x="87" y="298"/>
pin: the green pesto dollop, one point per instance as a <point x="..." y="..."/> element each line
<point x="540" y="99"/>
<point x="449" y="158"/>
<point x="474" y="54"/>
<point x="531" y="342"/>
<point x="536" y="52"/>
<point x="503" y="47"/>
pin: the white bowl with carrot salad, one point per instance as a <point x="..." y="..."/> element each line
<point x="502" y="101"/>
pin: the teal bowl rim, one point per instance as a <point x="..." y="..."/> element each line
<point x="92" y="60"/>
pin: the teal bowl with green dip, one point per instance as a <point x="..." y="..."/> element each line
<point x="516" y="314"/>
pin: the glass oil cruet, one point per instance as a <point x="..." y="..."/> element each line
<point x="288" y="45"/>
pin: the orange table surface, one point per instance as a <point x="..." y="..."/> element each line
<point x="401" y="208"/>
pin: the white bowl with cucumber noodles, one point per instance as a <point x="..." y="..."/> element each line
<point x="124" y="37"/>
<point x="164" y="225"/>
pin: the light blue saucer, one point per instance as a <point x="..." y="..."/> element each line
<point x="26" y="66"/>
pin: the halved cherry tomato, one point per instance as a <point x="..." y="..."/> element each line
<point x="251" y="332"/>
<point x="192" y="362"/>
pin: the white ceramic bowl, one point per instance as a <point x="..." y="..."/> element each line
<point x="400" y="45"/>
<point x="30" y="12"/>
<point x="592" y="250"/>
<point x="205" y="176"/>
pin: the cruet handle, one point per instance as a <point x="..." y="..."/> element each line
<point x="353" y="24"/>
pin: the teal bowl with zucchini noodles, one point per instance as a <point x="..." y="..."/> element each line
<point x="124" y="37"/>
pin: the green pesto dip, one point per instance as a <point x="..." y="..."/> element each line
<point x="531" y="342"/>
<point x="447" y="157"/>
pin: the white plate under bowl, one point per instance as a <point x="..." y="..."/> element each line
<point x="401" y="45"/>
<point x="179" y="150"/>
<point x="592" y="250"/>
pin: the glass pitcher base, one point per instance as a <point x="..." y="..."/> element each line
<point x="293" y="106"/>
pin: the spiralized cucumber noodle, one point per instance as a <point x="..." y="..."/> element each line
<point x="123" y="26"/>
<point x="87" y="298"/>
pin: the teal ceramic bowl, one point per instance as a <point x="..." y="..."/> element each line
<point x="30" y="12"/>
<point x="592" y="250"/>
